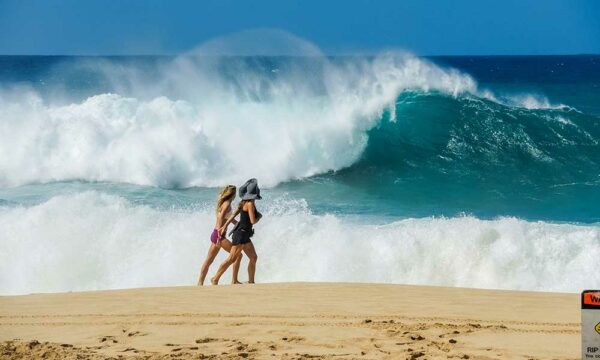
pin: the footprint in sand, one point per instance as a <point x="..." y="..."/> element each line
<point x="293" y="339"/>
<point x="108" y="339"/>
<point x="417" y="355"/>
<point x="205" y="340"/>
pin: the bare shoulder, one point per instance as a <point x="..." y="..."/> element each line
<point x="249" y="205"/>
<point x="226" y="205"/>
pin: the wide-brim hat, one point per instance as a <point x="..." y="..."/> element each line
<point x="250" y="190"/>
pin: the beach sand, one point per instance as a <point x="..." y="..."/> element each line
<point x="292" y="321"/>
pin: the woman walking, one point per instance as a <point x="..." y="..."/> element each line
<point x="243" y="231"/>
<point x="219" y="241"/>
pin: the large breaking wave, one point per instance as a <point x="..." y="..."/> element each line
<point x="192" y="121"/>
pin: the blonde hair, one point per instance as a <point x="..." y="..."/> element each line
<point x="228" y="193"/>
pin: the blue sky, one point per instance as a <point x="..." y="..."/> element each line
<point x="426" y="27"/>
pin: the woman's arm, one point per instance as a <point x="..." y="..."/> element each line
<point x="252" y="213"/>
<point x="223" y="211"/>
<point x="226" y="209"/>
<point x="230" y="220"/>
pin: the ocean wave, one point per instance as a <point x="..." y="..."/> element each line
<point x="476" y="135"/>
<point x="92" y="240"/>
<point x="193" y="123"/>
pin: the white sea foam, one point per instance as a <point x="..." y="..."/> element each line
<point x="93" y="241"/>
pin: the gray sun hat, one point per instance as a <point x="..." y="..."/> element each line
<point x="250" y="190"/>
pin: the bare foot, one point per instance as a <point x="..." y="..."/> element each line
<point x="236" y="283"/>
<point x="214" y="281"/>
<point x="250" y="282"/>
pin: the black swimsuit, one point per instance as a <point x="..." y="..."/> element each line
<point x="244" y="230"/>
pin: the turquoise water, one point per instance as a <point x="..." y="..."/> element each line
<point x="486" y="161"/>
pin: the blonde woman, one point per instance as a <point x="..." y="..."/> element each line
<point x="219" y="241"/>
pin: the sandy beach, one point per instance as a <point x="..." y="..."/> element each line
<point x="292" y="321"/>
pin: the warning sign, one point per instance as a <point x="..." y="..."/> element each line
<point x="590" y="324"/>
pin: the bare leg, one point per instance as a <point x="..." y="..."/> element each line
<point x="252" y="257"/>
<point x="233" y="255"/>
<point x="226" y="244"/>
<point x="213" y="250"/>
<point x="236" y="269"/>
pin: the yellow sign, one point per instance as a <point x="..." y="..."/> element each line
<point x="597" y="328"/>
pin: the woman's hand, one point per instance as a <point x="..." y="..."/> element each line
<point x="222" y="231"/>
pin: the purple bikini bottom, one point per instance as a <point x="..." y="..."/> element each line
<point x="214" y="236"/>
